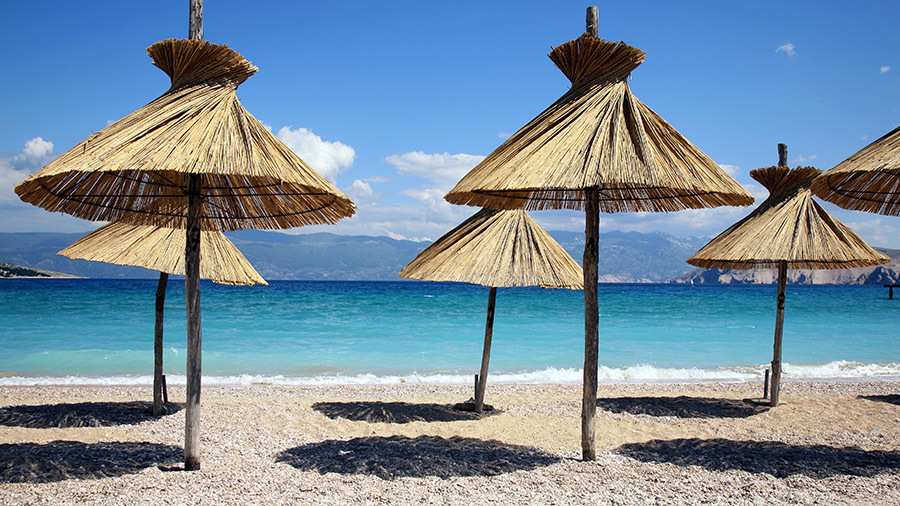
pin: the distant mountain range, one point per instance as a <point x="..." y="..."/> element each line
<point x="888" y="273"/>
<point x="625" y="257"/>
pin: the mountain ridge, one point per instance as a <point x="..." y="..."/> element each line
<point x="625" y="257"/>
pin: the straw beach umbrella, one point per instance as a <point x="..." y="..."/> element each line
<point x="162" y="249"/>
<point x="193" y="158"/>
<point x="496" y="249"/>
<point x="597" y="148"/>
<point x="789" y="230"/>
<point x="867" y="181"/>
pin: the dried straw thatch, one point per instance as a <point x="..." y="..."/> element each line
<point x="788" y="226"/>
<point x="498" y="249"/>
<point x="192" y="159"/>
<point x="867" y="181"/>
<point x="136" y="169"/>
<point x="162" y="249"/>
<point x="598" y="135"/>
<point x="597" y="148"/>
<point x="788" y="230"/>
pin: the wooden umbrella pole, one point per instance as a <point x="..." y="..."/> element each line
<point x="158" y="343"/>
<point x="192" y="294"/>
<point x="592" y="21"/>
<point x="591" y="321"/>
<point x="192" y="291"/>
<point x="486" y="354"/>
<point x="195" y="20"/>
<point x="779" y="326"/>
<point x="779" y="312"/>
<point x="591" y="310"/>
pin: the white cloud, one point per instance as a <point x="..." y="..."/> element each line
<point x="504" y="135"/>
<point x="805" y="159"/>
<point x="732" y="170"/>
<point x="441" y="169"/>
<point x="417" y="210"/>
<point x="875" y="231"/>
<point x="414" y="208"/>
<point x="15" y="168"/>
<point x="19" y="216"/>
<point x="327" y="158"/>
<point x="37" y="148"/>
<point x="884" y="69"/>
<point x="425" y="214"/>
<point x="787" y="48"/>
<point x="9" y="178"/>
<point x="360" y="190"/>
<point x="412" y="221"/>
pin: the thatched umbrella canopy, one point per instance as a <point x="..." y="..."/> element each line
<point x="867" y="181"/>
<point x="789" y="230"/>
<point x="598" y="136"/>
<point x="193" y="158"/>
<point x="137" y="169"/>
<point x="162" y="249"/>
<point x="499" y="249"/>
<point x="597" y="148"/>
<point x="496" y="249"/>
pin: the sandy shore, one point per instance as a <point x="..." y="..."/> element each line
<point x="828" y="443"/>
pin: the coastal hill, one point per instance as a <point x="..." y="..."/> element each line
<point x="887" y="273"/>
<point x="625" y="257"/>
<point x="17" y="271"/>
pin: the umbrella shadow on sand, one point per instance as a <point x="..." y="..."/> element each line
<point x="681" y="407"/>
<point x="889" y="398"/>
<point x="394" y="412"/>
<point x="771" y="457"/>
<point x="401" y="457"/>
<point x="82" y="414"/>
<point x="66" y="460"/>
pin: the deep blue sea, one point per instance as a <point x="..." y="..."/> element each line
<point x="93" y="331"/>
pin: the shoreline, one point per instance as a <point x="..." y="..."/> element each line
<point x="831" y="442"/>
<point x="635" y="383"/>
<point x="838" y="371"/>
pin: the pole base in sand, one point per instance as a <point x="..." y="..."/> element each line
<point x="469" y="405"/>
<point x="191" y="464"/>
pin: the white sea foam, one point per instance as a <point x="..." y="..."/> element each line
<point x="642" y="373"/>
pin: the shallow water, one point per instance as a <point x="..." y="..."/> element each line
<point x="101" y="331"/>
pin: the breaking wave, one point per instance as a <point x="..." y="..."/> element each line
<point x="642" y="373"/>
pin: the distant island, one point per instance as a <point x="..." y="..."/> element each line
<point x="625" y="257"/>
<point x="17" y="271"/>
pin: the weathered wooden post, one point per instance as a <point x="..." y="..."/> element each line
<point x="779" y="313"/>
<point x="158" y="386"/>
<point x="591" y="315"/>
<point x="192" y="290"/>
<point x="486" y="354"/>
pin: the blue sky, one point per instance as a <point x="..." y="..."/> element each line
<point x="395" y="101"/>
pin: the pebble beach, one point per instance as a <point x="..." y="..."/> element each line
<point x="826" y="443"/>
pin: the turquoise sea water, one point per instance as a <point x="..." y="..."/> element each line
<point x="101" y="331"/>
